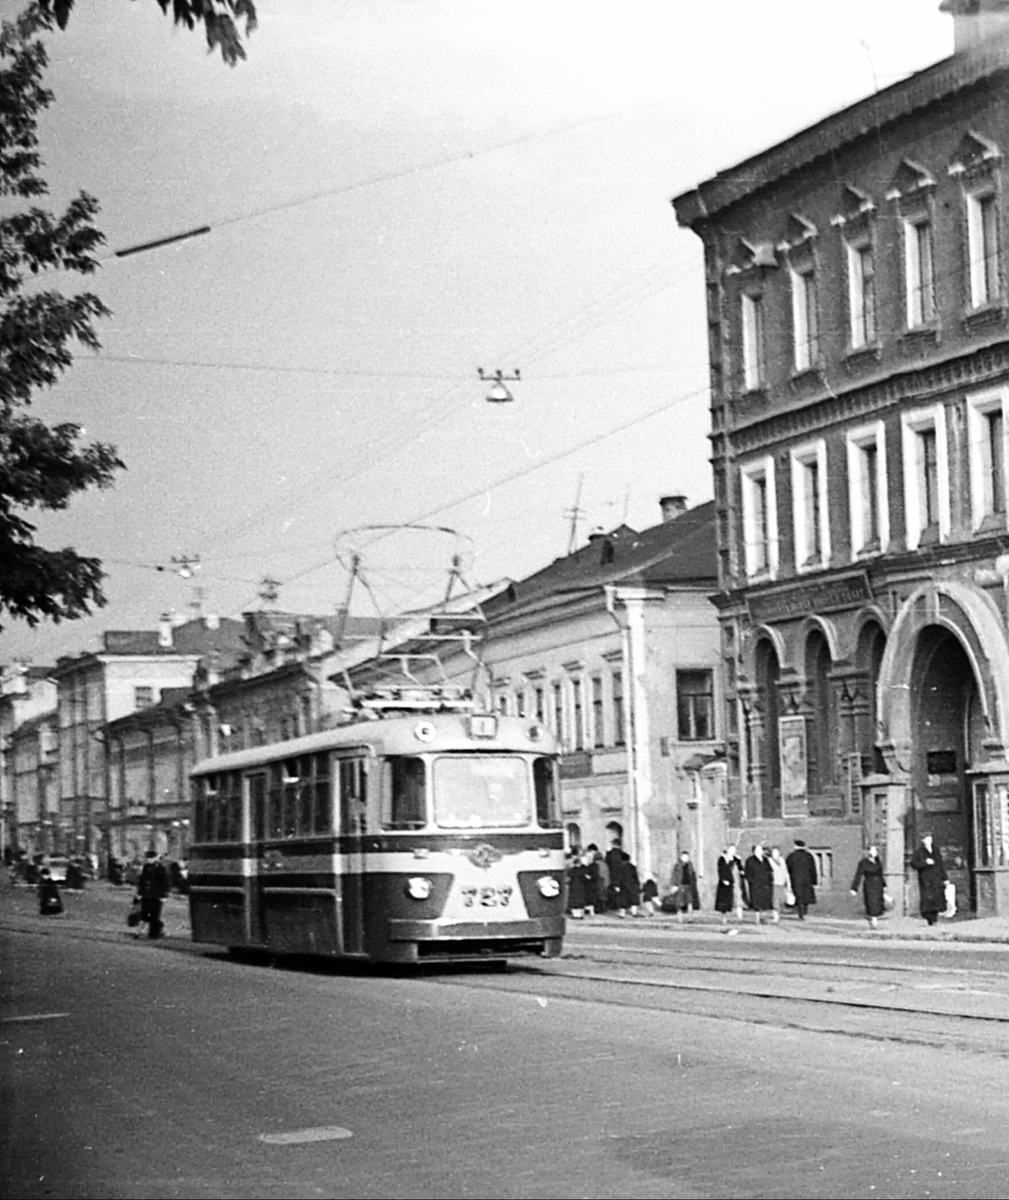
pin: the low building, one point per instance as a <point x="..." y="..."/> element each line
<point x="615" y="648"/>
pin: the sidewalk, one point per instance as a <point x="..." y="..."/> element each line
<point x="992" y="930"/>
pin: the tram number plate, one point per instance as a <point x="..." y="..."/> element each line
<point x="487" y="897"/>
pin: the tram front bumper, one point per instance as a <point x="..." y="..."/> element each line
<point x="474" y="931"/>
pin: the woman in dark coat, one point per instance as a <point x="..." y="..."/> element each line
<point x="927" y="861"/>
<point x="729" y="892"/>
<point x="759" y="882"/>
<point x="577" y="886"/>
<point x="870" y="875"/>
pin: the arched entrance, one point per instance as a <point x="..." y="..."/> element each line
<point x="947" y="734"/>
<point x="944" y="729"/>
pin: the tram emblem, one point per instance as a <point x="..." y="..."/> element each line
<point x="484" y="856"/>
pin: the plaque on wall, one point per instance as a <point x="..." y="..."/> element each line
<point x="941" y="762"/>
<point x="794" y="766"/>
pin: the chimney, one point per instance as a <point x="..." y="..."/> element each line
<point x="673" y="507"/>
<point x="976" y="22"/>
<point x="211" y="621"/>
<point x="165" y="640"/>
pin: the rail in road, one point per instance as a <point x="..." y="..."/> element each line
<point x="922" y="1004"/>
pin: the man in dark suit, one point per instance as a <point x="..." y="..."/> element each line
<point x="802" y="873"/>
<point x="153" y="886"/>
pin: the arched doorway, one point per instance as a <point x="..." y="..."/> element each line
<point x="823" y="724"/>
<point x="947" y="726"/>
<point x="765" y="758"/>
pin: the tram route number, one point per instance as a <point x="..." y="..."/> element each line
<point x="487" y="897"/>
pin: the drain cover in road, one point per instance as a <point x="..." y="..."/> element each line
<point x="297" y="1137"/>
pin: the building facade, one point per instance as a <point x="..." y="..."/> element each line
<point x="28" y="745"/>
<point x="857" y="310"/>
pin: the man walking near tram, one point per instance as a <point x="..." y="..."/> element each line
<point x="153" y="886"/>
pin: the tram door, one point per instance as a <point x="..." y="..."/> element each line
<point x="255" y="915"/>
<point x="353" y="784"/>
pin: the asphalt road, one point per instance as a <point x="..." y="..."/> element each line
<point x="136" y="1069"/>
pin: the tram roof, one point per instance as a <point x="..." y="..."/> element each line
<point x="396" y="735"/>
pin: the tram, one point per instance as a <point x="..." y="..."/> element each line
<point x="412" y="837"/>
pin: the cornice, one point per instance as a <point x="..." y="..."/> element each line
<point x="914" y="384"/>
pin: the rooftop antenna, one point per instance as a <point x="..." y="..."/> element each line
<point x="575" y="514"/>
<point x="269" y="591"/>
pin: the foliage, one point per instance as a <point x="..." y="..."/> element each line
<point x="41" y="467"/>
<point x="219" y="18"/>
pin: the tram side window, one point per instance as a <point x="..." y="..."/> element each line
<point x="545" y="782"/>
<point x="323" y="796"/>
<point x="353" y="796"/>
<point x="404" y="793"/>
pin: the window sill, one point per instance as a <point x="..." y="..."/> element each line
<point x="994" y="522"/>
<point x="870" y="550"/>
<point x="857" y="356"/>
<point x="985" y="316"/>
<point x="812" y="373"/>
<point x="918" y="335"/>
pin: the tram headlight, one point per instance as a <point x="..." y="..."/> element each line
<point x="418" y="887"/>
<point x="549" y="886"/>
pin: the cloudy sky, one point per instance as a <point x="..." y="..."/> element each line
<point x="400" y="192"/>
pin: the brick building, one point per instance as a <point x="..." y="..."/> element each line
<point x="857" y="309"/>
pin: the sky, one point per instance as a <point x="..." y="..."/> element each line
<point x="400" y="192"/>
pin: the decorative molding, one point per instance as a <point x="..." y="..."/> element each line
<point x="910" y="180"/>
<point x="975" y="154"/>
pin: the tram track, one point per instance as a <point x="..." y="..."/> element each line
<point x="893" y="1019"/>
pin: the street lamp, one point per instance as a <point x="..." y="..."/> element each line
<point x="498" y="392"/>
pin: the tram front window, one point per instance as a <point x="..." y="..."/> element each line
<point x="474" y="792"/>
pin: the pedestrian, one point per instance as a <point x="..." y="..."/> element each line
<point x="50" y="900"/>
<point x="729" y="890"/>
<point x="625" y="886"/>
<point x="759" y="882"/>
<point x="577" y="885"/>
<point x="802" y="873"/>
<point x="782" y="884"/>
<point x="927" y="861"/>
<point x="685" y="887"/>
<point x="595" y="889"/>
<point x="870" y="874"/>
<point x="153" y="886"/>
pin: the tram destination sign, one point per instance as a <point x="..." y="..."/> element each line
<point x="800" y="599"/>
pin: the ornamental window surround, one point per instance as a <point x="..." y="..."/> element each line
<point x="987" y="425"/>
<point x="809" y="506"/>
<point x="926" y="476"/>
<point x="912" y="192"/>
<point x="867" y="490"/>
<point x="760" y="518"/>
<point x="798" y="251"/>
<point x="856" y="220"/>
<point x="977" y="165"/>
<point x="750" y="261"/>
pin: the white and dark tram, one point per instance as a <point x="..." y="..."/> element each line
<point x="418" y="836"/>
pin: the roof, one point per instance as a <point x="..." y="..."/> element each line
<point x="679" y="552"/>
<point x="199" y="637"/>
<point x="862" y="119"/>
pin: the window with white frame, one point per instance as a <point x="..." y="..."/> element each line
<point x="558" y="712"/>
<point x="805" y="332"/>
<point x="867" y="490"/>
<point x="695" y="705"/>
<point x="809" y="506"/>
<point x="989" y="455"/>
<point x="919" y="272"/>
<point x="753" y="341"/>
<point x="983" y="247"/>
<point x="760" y="518"/>
<point x="861" y="294"/>
<point x="926" y="476"/>
<point x="577" y="715"/>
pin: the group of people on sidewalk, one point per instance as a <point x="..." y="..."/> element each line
<point x="767" y="884"/>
